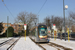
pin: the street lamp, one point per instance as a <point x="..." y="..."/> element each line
<point x="64" y="7"/>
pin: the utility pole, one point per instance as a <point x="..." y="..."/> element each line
<point x="64" y="7"/>
<point x="7" y="25"/>
<point x="52" y="29"/>
<point x="64" y="19"/>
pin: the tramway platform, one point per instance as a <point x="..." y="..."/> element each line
<point x="27" y="44"/>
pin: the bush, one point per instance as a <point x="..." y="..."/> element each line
<point x="16" y="35"/>
<point x="10" y="32"/>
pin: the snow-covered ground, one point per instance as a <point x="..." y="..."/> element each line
<point x="8" y="44"/>
<point x="26" y="45"/>
<point x="4" y="39"/>
<point x="30" y="45"/>
<point x="68" y="44"/>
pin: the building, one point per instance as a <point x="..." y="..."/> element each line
<point x="17" y="27"/>
<point x="73" y="28"/>
<point x="5" y="26"/>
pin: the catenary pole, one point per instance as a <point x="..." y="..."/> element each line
<point x="7" y="25"/>
<point x="64" y="19"/>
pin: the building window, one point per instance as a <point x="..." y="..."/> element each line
<point x="19" y="25"/>
<point x="5" y="28"/>
<point x="5" y="25"/>
<point x="19" y="28"/>
<point x="14" y="26"/>
<point x="8" y="25"/>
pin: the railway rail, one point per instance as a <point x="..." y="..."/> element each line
<point x="47" y="46"/>
<point x="9" y="44"/>
<point x="1" y="44"/>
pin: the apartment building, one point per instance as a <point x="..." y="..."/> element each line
<point x="5" y="26"/>
<point x="17" y="27"/>
<point x="73" y="28"/>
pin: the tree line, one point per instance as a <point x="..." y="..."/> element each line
<point x="59" y="20"/>
<point x="29" y="19"/>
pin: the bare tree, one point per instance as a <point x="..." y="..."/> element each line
<point x="50" y="20"/>
<point x="47" y="21"/>
<point x="58" y="21"/>
<point x="72" y="15"/>
<point x="72" y="20"/>
<point x="26" y="18"/>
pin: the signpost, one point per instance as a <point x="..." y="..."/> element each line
<point x="68" y="33"/>
<point x="54" y="27"/>
<point x="54" y="34"/>
<point x="25" y="30"/>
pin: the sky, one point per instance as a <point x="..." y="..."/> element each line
<point x="51" y="7"/>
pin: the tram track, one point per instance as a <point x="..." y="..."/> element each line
<point x="12" y="45"/>
<point x="37" y="43"/>
<point x="8" y="45"/>
<point x="59" y="47"/>
<point x="3" y="43"/>
<point x="46" y="46"/>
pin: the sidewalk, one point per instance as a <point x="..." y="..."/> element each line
<point x="68" y="44"/>
<point x="26" y="45"/>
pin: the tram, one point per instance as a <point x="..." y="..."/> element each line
<point x="41" y="34"/>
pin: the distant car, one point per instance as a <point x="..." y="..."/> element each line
<point x="73" y="34"/>
<point x="59" y="34"/>
<point x="63" y="34"/>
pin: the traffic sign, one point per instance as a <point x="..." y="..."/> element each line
<point x="54" y="27"/>
<point x="53" y="24"/>
<point x="25" y="26"/>
<point x="25" y="30"/>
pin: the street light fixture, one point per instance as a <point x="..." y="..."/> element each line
<point x="64" y="7"/>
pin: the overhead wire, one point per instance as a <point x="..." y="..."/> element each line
<point x="7" y="8"/>
<point x="42" y="7"/>
<point x="40" y="10"/>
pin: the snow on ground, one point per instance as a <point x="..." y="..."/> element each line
<point x="4" y="39"/>
<point x="68" y="44"/>
<point x="4" y="47"/>
<point x="26" y="45"/>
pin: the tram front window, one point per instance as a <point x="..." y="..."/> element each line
<point x="43" y="33"/>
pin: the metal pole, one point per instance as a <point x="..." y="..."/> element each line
<point x="25" y="35"/>
<point x="7" y="25"/>
<point x="38" y="19"/>
<point x="64" y="19"/>
<point x="35" y="29"/>
<point x="69" y="26"/>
